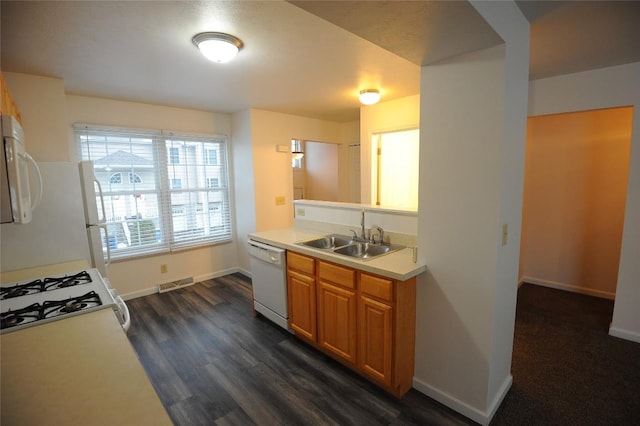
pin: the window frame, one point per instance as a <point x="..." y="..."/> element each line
<point x="219" y="226"/>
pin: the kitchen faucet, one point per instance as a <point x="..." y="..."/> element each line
<point x="363" y="234"/>
<point x="380" y="233"/>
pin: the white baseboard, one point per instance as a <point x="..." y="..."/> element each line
<point x="199" y="278"/>
<point x="478" y="416"/>
<point x="568" y="287"/>
<point x="624" y="334"/>
<point x="497" y="400"/>
<point x="139" y="293"/>
<point x="217" y="274"/>
<point x="245" y="272"/>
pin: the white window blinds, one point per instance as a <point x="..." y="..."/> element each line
<point x="156" y="188"/>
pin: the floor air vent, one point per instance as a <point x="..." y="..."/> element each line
<point x="174" y="285"/>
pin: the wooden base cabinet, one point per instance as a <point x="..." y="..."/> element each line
<point x="337" y="311"/>
<point x="375" y="333"/>
<point x="386" y="333"/>
<point x="364" y="321"/>
<point x="301" y="289"/>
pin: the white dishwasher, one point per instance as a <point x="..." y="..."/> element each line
<point x="269" y="278"/>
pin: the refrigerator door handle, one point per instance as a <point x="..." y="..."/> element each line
<point x="106" y="235"/>
<point x="104" y="212"/>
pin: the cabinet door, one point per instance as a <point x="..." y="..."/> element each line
<point x="337" y="321"/>
<point x="302" y="304"/>
<point x="375" y="339"/>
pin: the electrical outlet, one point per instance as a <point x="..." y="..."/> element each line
<point x="163" y="268"/>
<point x="300" y="211"/>
<point x="505" y="234"/>
<point x="280" y="200"/>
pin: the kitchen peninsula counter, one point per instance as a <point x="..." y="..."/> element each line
<point x="397" y="265"/>
<point x="79" y="370"/>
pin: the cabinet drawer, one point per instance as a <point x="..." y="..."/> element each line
<point x="381" y="288"/>
<point x="300" y="263"/>
<point x="337" y="274"/>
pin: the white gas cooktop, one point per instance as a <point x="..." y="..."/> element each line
<point x="38" y="301"/>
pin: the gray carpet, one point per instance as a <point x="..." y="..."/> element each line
<point x="566" y="369"/>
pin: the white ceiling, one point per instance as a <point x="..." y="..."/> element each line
<point x="301" y="58"/>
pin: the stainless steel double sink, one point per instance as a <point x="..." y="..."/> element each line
<point x="351" y="247"/>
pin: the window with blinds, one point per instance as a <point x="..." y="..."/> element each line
<point x="162" y="191"/>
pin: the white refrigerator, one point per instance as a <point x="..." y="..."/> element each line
<point x="66" y="226"/>
<point x="94" y="217"/>
<point x="57" y="231"/>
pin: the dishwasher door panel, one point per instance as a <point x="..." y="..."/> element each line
<point x="269" y="279"/>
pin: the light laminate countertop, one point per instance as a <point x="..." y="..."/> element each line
<point x="80" y="370"/>
<point x="397" y="265"/>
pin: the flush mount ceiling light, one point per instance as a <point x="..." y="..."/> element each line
<point x="217" y="47"/>
<point x="369" y="96"/>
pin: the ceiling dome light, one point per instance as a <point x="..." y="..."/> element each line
<point x="217" y="47"/>
<point x="369" y="96"/>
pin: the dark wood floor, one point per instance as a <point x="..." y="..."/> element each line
<point x="212" y="362"/>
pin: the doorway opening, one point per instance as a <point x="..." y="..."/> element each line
<point x="396" y="168"/>
<point x="576" y="172"/>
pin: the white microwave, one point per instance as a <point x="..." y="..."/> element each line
<point x="16" y="202"/>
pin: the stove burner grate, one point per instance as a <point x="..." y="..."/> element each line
<point x="25" y="315"/>
<point x="45" y="284"/>
<point x="49" y="309"/>
<point x="73" y="307"/>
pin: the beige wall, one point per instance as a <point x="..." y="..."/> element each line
<point x="457" y="226"/>
<point x="273" y="175"/>
<point x="472" y="140"/>
<point x="47" y="118"/>
<point x="270" y="171"/>
<point x="349" y="135"/>
<point x="577" y="166"/>
<point x="388" y="116"/>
